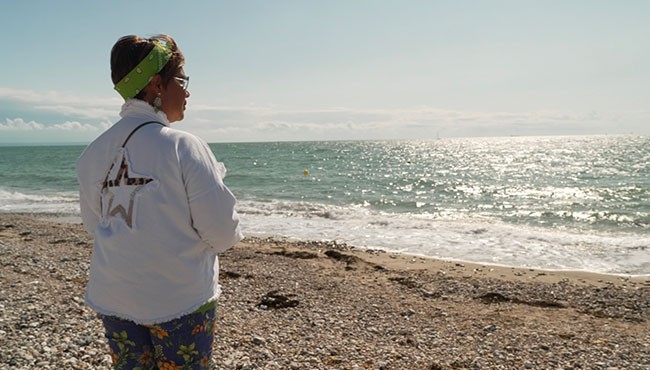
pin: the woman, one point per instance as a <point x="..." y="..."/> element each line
<point x="154" y="200"/>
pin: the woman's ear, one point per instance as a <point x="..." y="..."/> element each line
<point x="154" y="88"/>
<point x="156" y="84"/>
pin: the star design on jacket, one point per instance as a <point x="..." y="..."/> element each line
<point x="120" y="192"/>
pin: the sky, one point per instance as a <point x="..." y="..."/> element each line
<point x="279" y="70"/>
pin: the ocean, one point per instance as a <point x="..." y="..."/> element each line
<point x="561" y="203"/>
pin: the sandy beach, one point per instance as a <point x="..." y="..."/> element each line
<point x="316" y="305"/>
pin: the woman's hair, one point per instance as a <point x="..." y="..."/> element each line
<point x="129" y="50"/>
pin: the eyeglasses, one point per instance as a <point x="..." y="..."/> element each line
<point x="184" y="81"/>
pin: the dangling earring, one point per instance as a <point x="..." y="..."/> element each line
<point x="157" y="103"/>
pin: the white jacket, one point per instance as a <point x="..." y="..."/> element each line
<point x="158" y="223"/>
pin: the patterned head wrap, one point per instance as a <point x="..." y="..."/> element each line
<point x="141" y="75"/>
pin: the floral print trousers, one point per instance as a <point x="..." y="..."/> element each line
<point x="180" y="344"/>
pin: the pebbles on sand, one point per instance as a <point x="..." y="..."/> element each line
<point x="315" y="305"/>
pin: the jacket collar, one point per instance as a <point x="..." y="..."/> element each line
<point x="137" y="107"/>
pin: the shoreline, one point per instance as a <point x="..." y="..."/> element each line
<point x="408" y="260"/>
<point x="320" y="305"/>
<point x="456" y="268"/>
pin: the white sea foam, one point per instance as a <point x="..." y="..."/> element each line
<point x="472" y="239"/>
<point x="444" y="235"/>
<point x="15" y="201"/>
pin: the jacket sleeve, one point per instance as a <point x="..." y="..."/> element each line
<point x="89" y="203"/>
<point x="212" y="205"/>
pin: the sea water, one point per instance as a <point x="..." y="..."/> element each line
<point x="578" y="203"/>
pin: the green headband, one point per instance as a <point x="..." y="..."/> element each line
<point x="141" y="75"/>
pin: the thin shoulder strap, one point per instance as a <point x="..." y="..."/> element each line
<point x="105" y="182"/>
<point x="136" y="129"/>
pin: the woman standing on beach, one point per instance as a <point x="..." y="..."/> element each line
<point x="154" y="200"/>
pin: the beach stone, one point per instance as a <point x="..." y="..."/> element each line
<point x="367" y="318"/>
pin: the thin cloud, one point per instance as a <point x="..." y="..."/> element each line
<point x="80" y="112"/>
<point x="67" y="105"/>
<point x="269" y="122"/>
<point x="268" y="116"/>
<point x="263" y="123"/>
<point x="77" y="126"/>
<point x="19" y="124"/>
<point x="54" y="98"/>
